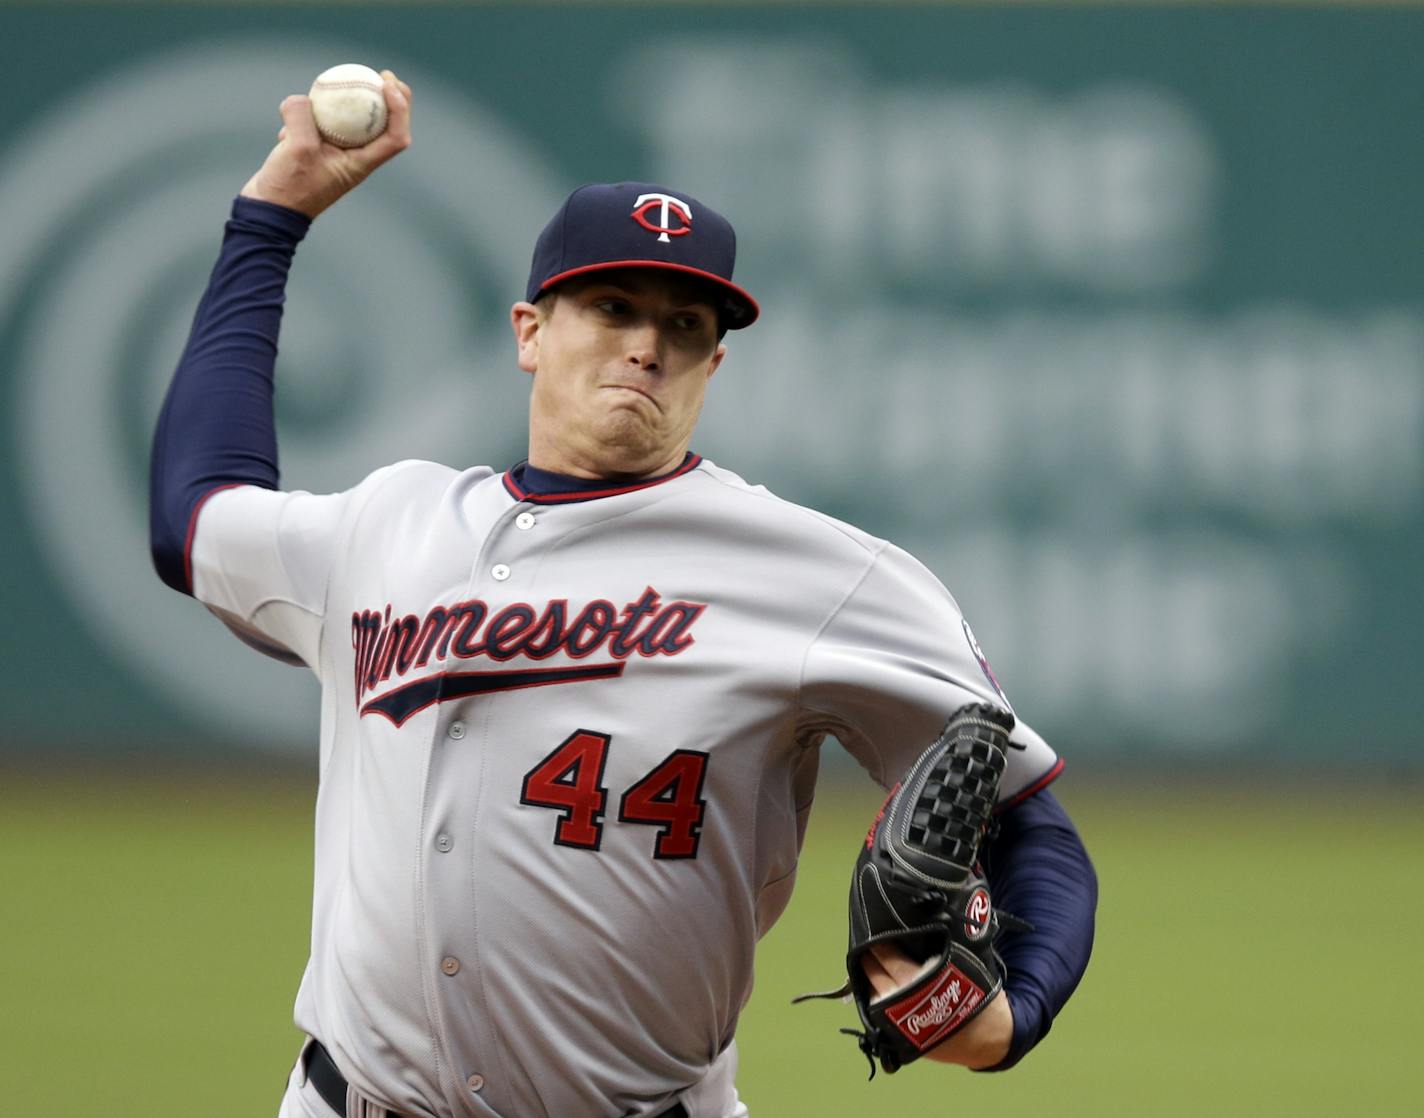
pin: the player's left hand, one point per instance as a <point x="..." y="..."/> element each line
<point x="305" y="173"/>
<point x="982" y="1043"/>
<point x="921" y="964"/>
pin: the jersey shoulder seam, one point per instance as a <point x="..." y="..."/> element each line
<point x="832" y="725"/>
<point x="857" y="536"/>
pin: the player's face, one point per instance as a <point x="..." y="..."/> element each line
<point x="621" y="363"/>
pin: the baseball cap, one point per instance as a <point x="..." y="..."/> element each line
<point x="641" y="225"/>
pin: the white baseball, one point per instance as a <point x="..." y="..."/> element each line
<point x="349" y="104"/>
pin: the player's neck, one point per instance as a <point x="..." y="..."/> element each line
<point x="552" y="460"/>
<point x="539" y="480"/>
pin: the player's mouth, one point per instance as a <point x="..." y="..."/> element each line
<point x="636" y="391"/>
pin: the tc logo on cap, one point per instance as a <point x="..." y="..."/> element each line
<point x="667" y="206"/>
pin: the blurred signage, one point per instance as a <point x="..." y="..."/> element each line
<point x="1122" y="341"/>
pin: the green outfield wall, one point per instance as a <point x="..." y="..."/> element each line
<point x="1113" y="315"/>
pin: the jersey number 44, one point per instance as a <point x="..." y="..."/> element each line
<point x="570" y="781"/>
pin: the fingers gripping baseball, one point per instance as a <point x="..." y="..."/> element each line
<point x="305" y="173"/>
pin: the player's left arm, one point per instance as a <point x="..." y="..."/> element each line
<point x="1039" y="870"/>
<point x="884" y="672"/>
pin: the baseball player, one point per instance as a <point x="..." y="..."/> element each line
<point x="571" y="710"/>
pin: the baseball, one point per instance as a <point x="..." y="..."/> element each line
<point x="349" y="104"/>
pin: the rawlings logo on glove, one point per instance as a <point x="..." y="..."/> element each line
<point x="951" y="1002"/>
<point x="916" y="885"/>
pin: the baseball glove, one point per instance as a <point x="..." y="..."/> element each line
<point x="916" y="883"/>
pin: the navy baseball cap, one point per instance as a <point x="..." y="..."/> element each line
<point x="641" y="225"/>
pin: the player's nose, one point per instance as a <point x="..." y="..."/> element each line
<point x="644" y="344"/>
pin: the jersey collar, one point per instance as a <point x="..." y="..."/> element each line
<point x="540" y="487"/>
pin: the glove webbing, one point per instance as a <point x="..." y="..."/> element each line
<point x="954" y="805"/>
<point x="953" y="808"/>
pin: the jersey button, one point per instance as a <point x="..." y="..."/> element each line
<point x="499" y="572"/>
<point x="450" y="965"/>
<point x="524" y="521"/>
<point x="444" y="844"/>
<point x="456" y="730"/>
<point x="476" y="1083"/>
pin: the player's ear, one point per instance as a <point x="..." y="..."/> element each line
<point x="525" y="319"/>
<point x="717" y="358"/>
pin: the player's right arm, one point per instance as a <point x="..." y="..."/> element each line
<point x="217" y="432"/>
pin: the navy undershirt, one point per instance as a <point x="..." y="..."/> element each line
<point x="217" y="429"/>
<point x="217" y="426"/>
<point x="1039" y="870"/>
<point x="534" y="480"/>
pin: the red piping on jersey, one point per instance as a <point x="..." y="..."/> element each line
<point x="1037" y="786"/>
<point x="718" y="280"/>
<point x="193" y="527"/>
<point x="519" y="493"/>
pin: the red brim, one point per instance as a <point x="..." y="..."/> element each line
<point x="741" y="309"/>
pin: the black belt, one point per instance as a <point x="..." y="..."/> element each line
<point x="330" y="1084"/>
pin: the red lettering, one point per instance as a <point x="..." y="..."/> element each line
<point x="570" y="780"/>
<point x="633" y="615"/>
<point x="382" y="647"/>
<point x="506" y="631"/>
<point x="472" y="616"/>
<point x="670" y="798"/>
<point x="407" y="642"/>
<point x="591" y="628"/>
<point x="548" y="635"/>
<point x="669" y="633"/>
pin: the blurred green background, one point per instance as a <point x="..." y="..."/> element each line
<point x="1113" y="314"/>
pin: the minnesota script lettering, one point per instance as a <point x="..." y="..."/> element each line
<point x="387" y="645"/>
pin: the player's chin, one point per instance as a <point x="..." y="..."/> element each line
<point x="627" y="420"/>
<point x="628" y="433"/>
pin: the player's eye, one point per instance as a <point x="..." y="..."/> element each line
<point x="610" y="306"/>
<point x="692" y="325"/>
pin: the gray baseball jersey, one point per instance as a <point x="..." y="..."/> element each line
<point x="568" y="744"/>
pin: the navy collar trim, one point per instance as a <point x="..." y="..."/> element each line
<point x="514" y="483"/>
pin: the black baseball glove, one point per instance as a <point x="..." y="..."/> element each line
<point x="916" y="883"/>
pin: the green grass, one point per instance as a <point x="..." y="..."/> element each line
<point x="1254" y="957"/>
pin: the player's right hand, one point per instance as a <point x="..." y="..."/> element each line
<point x="306" y="174"/>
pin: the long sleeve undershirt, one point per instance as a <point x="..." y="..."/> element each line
<point x="217" y="426"/>
<point x="1039" y="870"/>
<point x="217" y="429"/>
